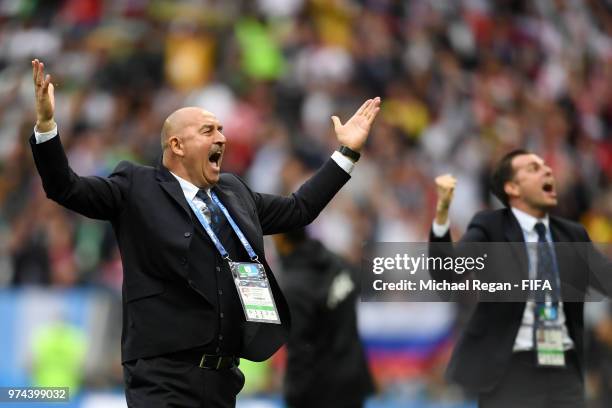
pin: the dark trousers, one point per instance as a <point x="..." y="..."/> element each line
<point x="175" y="380"/>
<point x="527" y="386"/>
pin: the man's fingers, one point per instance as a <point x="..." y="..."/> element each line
<point x="377" y="102"/>
<point x="34" y="70"/>
<point x="46" y="83"/>
<point x="446" y="181"/>
<point x="373" y="113"/>
<point x="372" y="108"/>
<point x="363" y="107"/>
<point x="374" y="103"/>
<point x="52" y="95"/>
<point x="445" y="178"/>
<point x="446" y="187"/>
<point x="337" y="123"/>
<point x="37" y="73"/>
<point x="367" y="111"/>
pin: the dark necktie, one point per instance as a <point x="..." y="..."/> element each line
<point x="546" y="266"/>
<point x="216" y="216"/>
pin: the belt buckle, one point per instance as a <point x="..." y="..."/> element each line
<point x="206" y="357"/>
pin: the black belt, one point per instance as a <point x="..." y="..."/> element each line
<point x="205" y="360"/>
<point x="214" y="362"/>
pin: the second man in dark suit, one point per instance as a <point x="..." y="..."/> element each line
<point x="496" y="356"/>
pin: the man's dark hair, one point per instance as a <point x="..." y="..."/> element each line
<point x="504" y="172"/>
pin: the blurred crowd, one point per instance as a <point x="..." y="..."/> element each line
<point x="462" y="83"/>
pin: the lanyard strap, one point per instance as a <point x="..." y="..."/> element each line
<point x="235" y="227"/>
<point x="213" y="236"/>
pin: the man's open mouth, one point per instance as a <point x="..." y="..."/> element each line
<point x="548" y="187"/>
<point x="214" y="158"/>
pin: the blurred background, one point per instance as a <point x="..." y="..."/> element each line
<point x="462" y="83"/>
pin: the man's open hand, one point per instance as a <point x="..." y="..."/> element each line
<point x="45" y="100"/>
<point x="354" y="132"/>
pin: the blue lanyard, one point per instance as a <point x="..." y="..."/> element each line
<point x="232" y="223"/>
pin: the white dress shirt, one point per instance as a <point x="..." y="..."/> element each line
<point x="190" y="191"/>
<point x="524" y="338"/>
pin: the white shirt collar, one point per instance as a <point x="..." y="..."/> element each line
<point x="528" y="221"/>
<point x="189" y="189"/>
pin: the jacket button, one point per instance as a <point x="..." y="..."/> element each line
<point x="184" y="261"/>
<point x="187" y="234"/>
<point x="220" y="292"/>
<point x="218" y="269"/>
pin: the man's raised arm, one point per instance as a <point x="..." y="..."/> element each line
<point x="280" y="214"/>
<point x="440" y="241"/>
<point x="95" y="197"/>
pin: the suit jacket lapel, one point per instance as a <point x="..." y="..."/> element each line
<point x="513" y="233"/>
<point x="171" y="185"/>
<point x="229" y="199"/>
<point x="564" y="255"/>
<point x="558" y="235"/>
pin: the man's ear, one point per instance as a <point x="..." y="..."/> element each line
<point x="176" y="146"/>
<point x="511" y="189"/>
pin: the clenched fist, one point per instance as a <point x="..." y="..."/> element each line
<point x="445" y="186"/>
<point x="45" y="100"/>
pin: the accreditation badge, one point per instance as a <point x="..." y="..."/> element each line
<point x="549" y="345"/>
<point x="254" y="292"/>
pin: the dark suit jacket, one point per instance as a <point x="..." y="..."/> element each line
<point x="164" y="307"/>
<point x="484" y="349"/>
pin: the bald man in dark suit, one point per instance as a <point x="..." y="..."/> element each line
<point x="178" y="225"/>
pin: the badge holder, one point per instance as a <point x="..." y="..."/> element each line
<point x="254" y="292"/>
<point x="250" y="278"/>
<point x="548" y="338"/>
